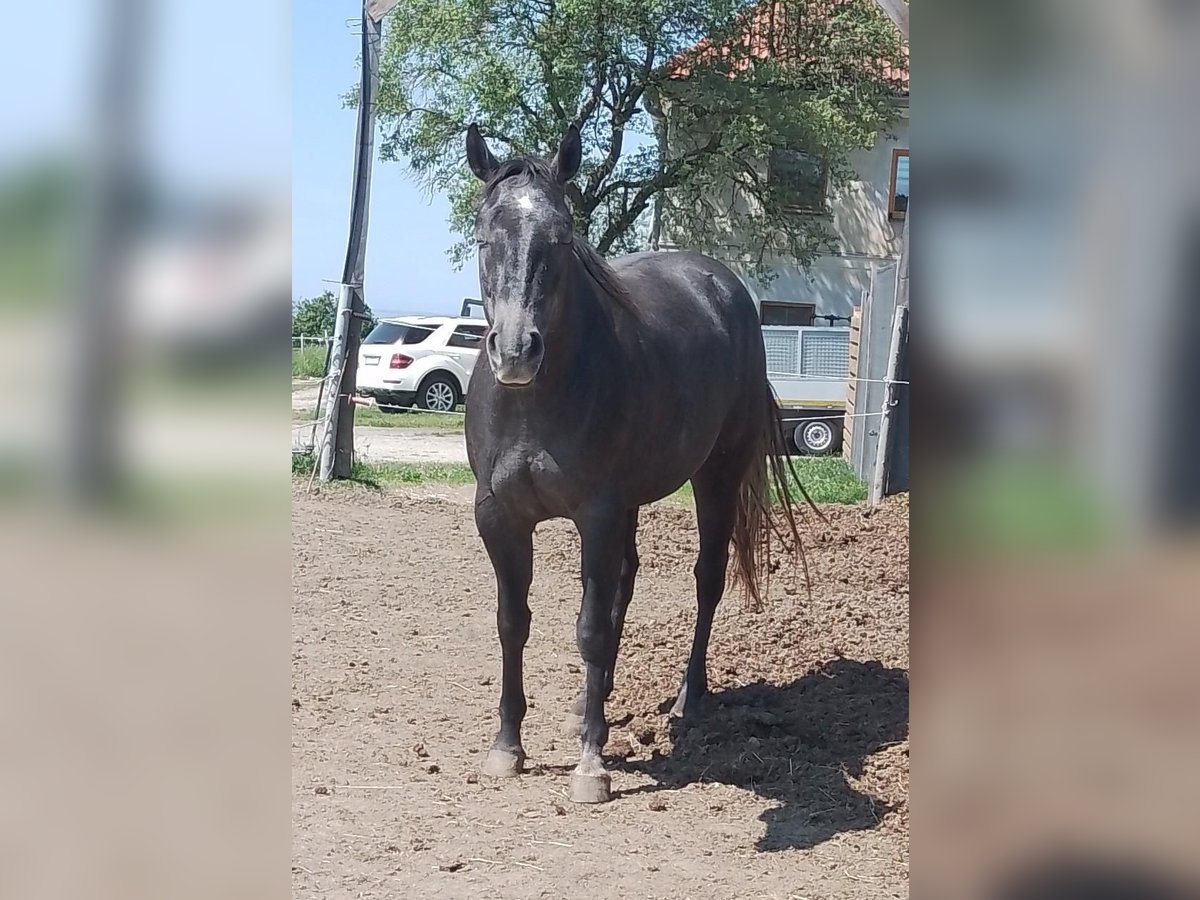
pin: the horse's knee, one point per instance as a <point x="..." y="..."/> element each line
<point x="592" y="635"/>
<point x="513" y="624"/>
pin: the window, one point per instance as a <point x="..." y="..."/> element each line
<point x="776" y="313"/>
<point x="395" y="333"/>
<point x="898" y="193"/>
<point x="799" y="178"/>
<point x="468" y="336"/>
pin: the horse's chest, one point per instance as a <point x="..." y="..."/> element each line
<point x="530" y="479"/>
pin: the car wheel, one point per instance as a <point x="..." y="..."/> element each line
<point x="815" y="437"/>
<point x="438" y="393"/>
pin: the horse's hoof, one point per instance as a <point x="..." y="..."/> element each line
<point x="573" y="724"/>
<point x="687" y="707"/>
<point x="503" y="763"/>
<point x="590" y="788"/>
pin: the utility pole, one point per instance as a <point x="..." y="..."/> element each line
<point x="337" y="442"/>
<point x="92" y="462"/>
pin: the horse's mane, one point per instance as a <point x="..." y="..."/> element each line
<point x="595" y="267"/>
<point x="526" y="166"/>
<point x="602" y="275"/>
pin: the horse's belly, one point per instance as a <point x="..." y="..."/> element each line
<point x="665" y="458"/>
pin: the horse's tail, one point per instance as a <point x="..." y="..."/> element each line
<point x="766" y="506"/>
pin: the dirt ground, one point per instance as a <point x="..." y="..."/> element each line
<point x="409" y="445"/>
<point x="793" y="784"/>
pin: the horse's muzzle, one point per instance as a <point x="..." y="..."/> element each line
<point x="515" y="360"/>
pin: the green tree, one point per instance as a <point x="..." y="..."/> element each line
<point x="525" y="69"/>
<point x="314" y="316"/>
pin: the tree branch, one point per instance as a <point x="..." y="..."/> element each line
<point x="619" y="225"/>
<point x="548" y="65"/>
<point x="624" y="105"/>
<point x="575" y="195"/>
<point x="593" y="101"/>
<point x="610" y="160"/>
<point x="665" y="179"/>
<point x="669" y="175"/>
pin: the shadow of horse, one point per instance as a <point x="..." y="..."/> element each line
<point x="796" y="744"/>
<point x="1093" y="877"/>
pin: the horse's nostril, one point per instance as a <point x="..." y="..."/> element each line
<point x="491" y="342"/>
<point x="535" y="343"/>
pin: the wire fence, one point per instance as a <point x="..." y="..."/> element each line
<point x="798" y="414"/>
<point x="801" y="414"/>
<point x="302" y="342"/>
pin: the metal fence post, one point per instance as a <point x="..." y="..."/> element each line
<point x="888" y="409"/>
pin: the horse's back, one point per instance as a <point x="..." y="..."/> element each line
<point x="692" y="304"/>
<point x="673" y="279"/>
<point x="697" y="340"/>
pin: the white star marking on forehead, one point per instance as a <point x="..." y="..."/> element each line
<point x="525" y="202"/>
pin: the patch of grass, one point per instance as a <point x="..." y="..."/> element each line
<point x="32" y="268"/>
<point x="376" y="417"/>
<point x="1025" y="506"/>
<point x="153" y="500"/>
<point x="309" y="362"/>
<point x="381" y="475"/>
<point x="391" y="474"/>
<point x="827" y="479"/>
<point x="302" y="463"/>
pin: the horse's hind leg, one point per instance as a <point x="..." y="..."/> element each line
<point x="510" y="547"/>
<point x="629" y="567"/>
<point x="716" y="510"/>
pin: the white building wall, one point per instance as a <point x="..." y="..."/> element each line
<point x="868" y="241"/>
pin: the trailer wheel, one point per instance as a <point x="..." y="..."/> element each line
<point x="815" y="437"/>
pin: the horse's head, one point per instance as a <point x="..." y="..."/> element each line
<point x="525" y="234"/>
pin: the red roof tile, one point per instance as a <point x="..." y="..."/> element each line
<point x="772" y="31"/>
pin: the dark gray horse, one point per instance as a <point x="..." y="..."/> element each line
<point x="603" y="388"/>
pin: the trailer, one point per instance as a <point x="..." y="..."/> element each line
<point x="809" y="370"/>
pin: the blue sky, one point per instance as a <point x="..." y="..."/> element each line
<point x="407" y="268"/>
<point x="206" y="118"/>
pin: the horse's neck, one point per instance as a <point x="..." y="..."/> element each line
<point x="580" y="342"/>
<point x="584" y="328"/>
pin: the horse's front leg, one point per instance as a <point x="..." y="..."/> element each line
<point x="602" y="535"/>
<point x="510" y="547"/>
<point x="629" y="568"/>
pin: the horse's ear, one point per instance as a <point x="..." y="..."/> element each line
<point x="479" y="157"/>
<point x="569" y="155"/>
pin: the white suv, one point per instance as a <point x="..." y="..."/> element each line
<point x="423" y="361"/>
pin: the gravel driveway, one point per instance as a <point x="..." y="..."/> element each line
<point x="375" y="444"/>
